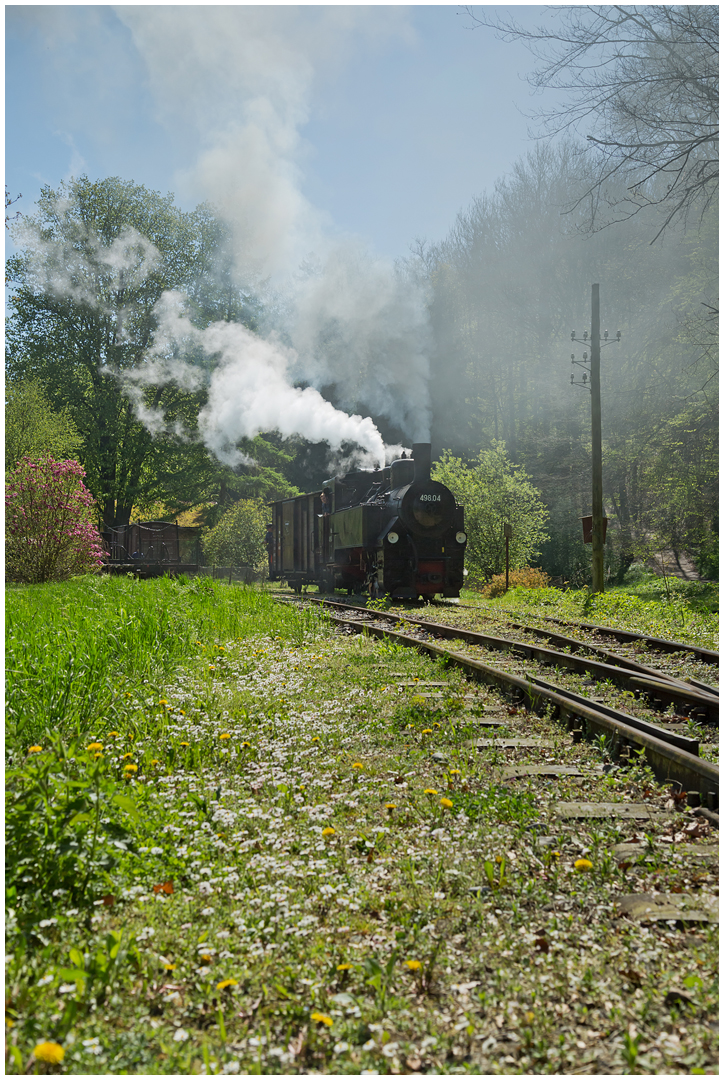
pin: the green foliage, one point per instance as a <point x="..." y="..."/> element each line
<point x="33" y="428"/>
<point x="494" y="492"/>
<point x="67" y="821"/>
<point x="238" y="538"/>
<point x="96" y="639"/>
<point x="94" y="262"/>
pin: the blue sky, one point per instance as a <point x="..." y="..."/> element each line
<point x="405" y="113"/>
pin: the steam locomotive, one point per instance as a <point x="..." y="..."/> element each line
<point x="391" y="531"/>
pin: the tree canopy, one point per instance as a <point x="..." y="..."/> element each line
<point x="495" y="492"/>
<point x="33" y="428"/>
<point x="95" y="260"/>
<point x="641" y="83"/>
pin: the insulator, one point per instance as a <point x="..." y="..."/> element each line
<point x="585" y="377"/>
<point x="585" y="335"/>
<point x="618" y="335"/>
<point x="572" y="377"/>
<point x="573" y="335"/>
<point x="573" y="358"/>
<point x="605" y="335"/>
<point x="585" y="356"/>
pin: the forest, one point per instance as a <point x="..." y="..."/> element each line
<point x="486" y="315"/>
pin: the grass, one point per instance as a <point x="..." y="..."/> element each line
<point x="281" y="862"/>
<point x="99" y="640"/>
<point x="678" y="610"/>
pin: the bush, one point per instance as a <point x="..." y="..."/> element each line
<point x="238" y="538"/>
<point x="495" y="492"/>
<point x="50" y="533"/>
<point x="529" y="578"/>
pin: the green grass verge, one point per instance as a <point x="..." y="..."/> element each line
<point x="687" y="612"/>
<point x="256" y="853"/>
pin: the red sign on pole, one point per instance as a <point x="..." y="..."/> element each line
<point x="587" y="523"/>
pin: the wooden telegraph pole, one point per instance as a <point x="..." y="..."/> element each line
<point x="594" y="385"/>
<point x="596" y="453"/>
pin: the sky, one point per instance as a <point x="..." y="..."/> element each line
<point x="387" y="120"/>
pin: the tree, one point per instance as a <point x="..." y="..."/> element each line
<point x="33" y="428"/>
<point x="238" y="538"/>
<point x="49" y="522"/>
<point x="642" y="84"/>
<point x="96" y="259"/>
<point x="494" y="492"/>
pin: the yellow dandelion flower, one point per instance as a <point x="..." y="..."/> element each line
<point x="169" y="967"/>
<point x="162" y="701"/>
<point x="50" y="1052"/>
<point x="130" y="768"/>
<point x="315" y="738"/>
<point x="414" y="965"/>
<point x="225" y="735"/>
<point x="94" y="746"/>
<point x="126" y="757"/>
<point x="357" y="765"/>
<point x="446" y="803"/>
<point x="455" y="772"/>
<point x="429" y="791"/>
<point x="390" y="806"/>
<point x="530" y="1017"/>
<point x="426" y="731"/>
<point x="329" y="831"/>
<point x="583" y="865"/>
<point x="184" y="744"/>
<point x="205" y="958"/>
<point x="113" y="734"/>
<point x="34" y="749"/>
<point x="97" y="757"/>
<point x="321" y="1018"/>
<point x="155" y="762"/>
<point x="344" y="967"/>
<point x="181" y="712"/>
<point x="212" y="667"/>
<point x="226" y="983"/>
<point x="245" y="744"/>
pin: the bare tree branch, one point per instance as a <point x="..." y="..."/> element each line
<point x="641" y="84"/>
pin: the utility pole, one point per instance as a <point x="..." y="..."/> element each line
<point x="597" y="523"/>
<point x="596" y="453"/>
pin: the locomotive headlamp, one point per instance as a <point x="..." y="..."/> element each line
<point x="393" y="537"/>
<point x="461" y="537"/>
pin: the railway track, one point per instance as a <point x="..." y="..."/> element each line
<point x="524" y="677"/>
<point x="704" y="656"/>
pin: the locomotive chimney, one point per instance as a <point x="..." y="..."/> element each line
<point x="422" y="456"/>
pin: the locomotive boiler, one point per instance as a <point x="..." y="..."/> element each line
<point x="394" y="531"/>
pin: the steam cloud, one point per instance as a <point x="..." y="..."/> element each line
<point x="356" y="325"/>
<point x="249" y="390"/>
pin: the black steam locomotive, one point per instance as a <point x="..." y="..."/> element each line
<point x="391" y="531"/>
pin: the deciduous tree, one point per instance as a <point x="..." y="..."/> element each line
<point x="641" y="83"/>
<point x="94" y="261"/>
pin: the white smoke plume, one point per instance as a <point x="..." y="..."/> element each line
<point x="249" y="389"/>
<point x="81" y="267"/>
<point x="243" y="78"/>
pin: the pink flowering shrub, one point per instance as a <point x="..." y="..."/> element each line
<point x="49" y="522"/>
